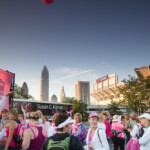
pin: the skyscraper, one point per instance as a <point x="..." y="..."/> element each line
<point x="44" y="90"/>
<point x="25" y="89"/>
<point x="62" y="94"/>
<point x="82" y="91"/>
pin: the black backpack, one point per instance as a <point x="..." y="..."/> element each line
<point x="17" y="139"/>
<point x="115" y="133"/>
<point x="141" y="131"/>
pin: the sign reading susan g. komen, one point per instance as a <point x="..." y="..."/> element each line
<point x="5" y="84"/>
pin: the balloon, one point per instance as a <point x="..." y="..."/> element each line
<point x="48" y="1"/>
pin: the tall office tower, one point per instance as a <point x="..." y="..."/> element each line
<point x="25" y="89"/>
<point x="44" y="90"/>
<point x="82" y="91"/>
<point x="62" y="94"/>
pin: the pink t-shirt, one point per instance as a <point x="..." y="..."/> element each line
<point x="119" y="127"/>
<point x="108" y="128"/>
<point x="75" y="128"/>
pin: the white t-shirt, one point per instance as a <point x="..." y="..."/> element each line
<point x="99" y="142"/>
<point x="136" y="130"/>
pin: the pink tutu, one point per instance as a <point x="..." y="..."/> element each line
<point x="133" y="144"/>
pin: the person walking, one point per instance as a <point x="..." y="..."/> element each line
<point x="63" y="139"/>
<point x="118" y="136"/>
<point x="101" y="122"/>
<point x="3" y="126"/>
<point x="133" y="144"/>
<point x="108" y="128"/>
<point x="12" y="130"/>
<point x="145" y="139"/>
<point x="78" y="129"/>
<point x="96" y="137"/>
<point x="34" y="136"/>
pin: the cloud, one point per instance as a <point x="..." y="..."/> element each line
<point x="63" y="70"/>
<point x="71" y="73"/>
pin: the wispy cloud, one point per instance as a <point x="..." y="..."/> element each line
<point x="63" y="70"/>
<point x="72" y="72"/>
<point x="55" y="83"/>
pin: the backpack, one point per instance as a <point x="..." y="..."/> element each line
<point x="19" y="137"/>
<point x="115" y="133"/>
<point x="59" y="145"/>
<point x="21" y="129"/>
<point x="141" y="131"/>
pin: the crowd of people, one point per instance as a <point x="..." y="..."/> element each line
<point x="106" y="132"/>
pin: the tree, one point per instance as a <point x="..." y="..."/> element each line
<point x="136" y="93"/>
<point x="19" y="93"/>
<point x="114" y="108"/>
<point x="78" y="107"/>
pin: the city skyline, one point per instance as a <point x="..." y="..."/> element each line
<point x="76" y="40"/>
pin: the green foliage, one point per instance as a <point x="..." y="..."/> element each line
<point x="19" y="93"/>
<point x="114" y="108"/>
<point x="78" y="107"/>
<point x="136" y="94"/>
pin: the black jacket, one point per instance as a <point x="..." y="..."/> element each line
<point x="74" y="144"/>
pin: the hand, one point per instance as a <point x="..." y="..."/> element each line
<point x="10" y="93"/>
<point x="6" y="124"/>
<point x="90" y="146"/>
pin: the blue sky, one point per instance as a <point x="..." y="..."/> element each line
<point x="75" y="39"/>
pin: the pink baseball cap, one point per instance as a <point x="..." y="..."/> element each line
<point x="93" y="115"/>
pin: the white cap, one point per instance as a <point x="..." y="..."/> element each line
<point x="145" y="115"/>
<point x="69" y="120"/>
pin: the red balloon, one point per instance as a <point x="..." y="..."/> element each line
<point x="48" y="1"/>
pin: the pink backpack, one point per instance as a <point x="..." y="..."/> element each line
<point x="21" y="129"/>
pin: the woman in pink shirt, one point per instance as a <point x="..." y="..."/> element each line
<point x="133" y="144"/>
<point x="108" y="128"/>
<point x="118" y="137"/>
<point x="107" y="124"/>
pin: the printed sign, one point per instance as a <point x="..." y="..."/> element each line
<point x="5" y="84"/>
<point x="48" y="109"/>
<point x="101" y="79"/>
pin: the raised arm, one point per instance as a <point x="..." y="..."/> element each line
<point x="3" y="100"/>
